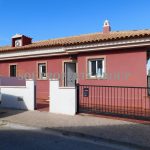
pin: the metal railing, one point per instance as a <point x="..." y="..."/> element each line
<point x="123" y="101"/>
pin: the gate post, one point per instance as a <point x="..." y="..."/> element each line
<point x="148" y="85"/>
<point x="77" y="96"/>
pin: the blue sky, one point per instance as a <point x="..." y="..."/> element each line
<point x="46" y="19"/>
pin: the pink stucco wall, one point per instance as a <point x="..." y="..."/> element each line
<point x="132" y="61"/>
<point x="130" y="64"/>
<point x="29" y="67"/>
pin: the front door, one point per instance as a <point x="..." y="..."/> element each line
<point x="70" y="74"/>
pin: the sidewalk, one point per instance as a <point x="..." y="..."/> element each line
<point x="109" y="129"/>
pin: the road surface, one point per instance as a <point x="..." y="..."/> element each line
<point x="33" y="139"/>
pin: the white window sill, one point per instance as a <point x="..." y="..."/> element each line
<point x="96" y="78"/>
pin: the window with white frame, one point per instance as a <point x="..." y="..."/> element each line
<point x="96" y="67"/>
<point x="41" y="70"/>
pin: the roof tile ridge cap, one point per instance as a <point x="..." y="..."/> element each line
<point x="88" y="34"/>
<point x="67" y="37"/>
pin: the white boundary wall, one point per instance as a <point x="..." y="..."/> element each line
<point x="18" y="97"/>
<point x="62" y="99"/>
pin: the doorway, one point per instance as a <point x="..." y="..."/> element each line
<point x="70" y="74"/>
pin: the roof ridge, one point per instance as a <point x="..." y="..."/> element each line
<point x="89" y="34"/>
<point x="83" y="39"/>
<point x="66" y="37"/>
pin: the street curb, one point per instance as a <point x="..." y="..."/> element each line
<point x="95" y="138"/>
<point x="80" y="135"/>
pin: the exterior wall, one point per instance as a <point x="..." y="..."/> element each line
<point x="116" y="100"/>
<point x="126" y="62"/>
<point x="132" y="61"/>
<point x="18" y="97"/>
<point x="59" y="102"/>
<point x="28" y="68"/>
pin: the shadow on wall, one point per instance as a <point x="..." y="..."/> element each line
<point x="11" y="102"/>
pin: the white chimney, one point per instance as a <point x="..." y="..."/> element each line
<point x="106" y="27"/>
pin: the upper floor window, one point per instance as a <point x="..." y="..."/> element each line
<point x="13" y="70"/>
<point x="96" y="67"/>
<point x="42" y="71"/>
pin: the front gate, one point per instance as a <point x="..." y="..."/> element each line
<point x="131" y="102"/>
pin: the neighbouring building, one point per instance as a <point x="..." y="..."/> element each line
<point x="117" y="58"/>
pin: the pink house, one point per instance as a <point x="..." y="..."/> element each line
<point x="109" y="58"/>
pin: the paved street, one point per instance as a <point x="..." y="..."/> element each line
<point x="108" y="130"/>
<point x="33" y="139"/>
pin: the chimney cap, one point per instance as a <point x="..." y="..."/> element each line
<point x="17" y="36"/>
<point x="106" y="23"/>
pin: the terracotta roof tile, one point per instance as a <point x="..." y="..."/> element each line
<point x="82" y="39"/>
